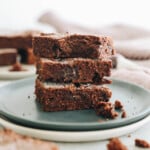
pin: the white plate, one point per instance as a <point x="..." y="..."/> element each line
<point x="6" y="74"/>
<point x="76" y="136"/>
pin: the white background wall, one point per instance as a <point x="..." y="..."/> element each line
<point x="20" y="14"/>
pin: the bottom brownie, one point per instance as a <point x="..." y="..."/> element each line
<point x="62" y="105"/>
<point x="58" y="97"/>
<point x="8" y="56"/>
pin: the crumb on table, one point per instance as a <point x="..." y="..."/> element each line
<point x="142" y="143"/>
<point x="116" y="144"/>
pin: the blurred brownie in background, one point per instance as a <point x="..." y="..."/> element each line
<point x="22" y="42"/>
<point x="8" y="56"/>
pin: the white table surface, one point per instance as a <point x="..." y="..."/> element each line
<point x="143" y="133"/>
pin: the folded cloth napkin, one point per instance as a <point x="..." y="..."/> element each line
<point x="117" y="32"/>
<point x="130" y="71"/>
<point x="135" y="76"/>
<point x="131" y="42"/>
<point x="134" y="48"/>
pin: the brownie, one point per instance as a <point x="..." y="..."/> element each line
<point x="18" y="40"/>
<point x="8" y="56"/>
<point x="72" y="46"/>
<point x="75" y="70"/>
<point x="116" y="144"/>
<point x="22" y="41"/>
<point x="57" y="97"/>
<point x="9" y="140"/>
<point x="142" y="143"/>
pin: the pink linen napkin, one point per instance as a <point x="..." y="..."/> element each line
<point x="131" y="42"/>
<point x="129" y="71"/>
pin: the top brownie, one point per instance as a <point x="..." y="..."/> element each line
<point x="71" y="46"/>
<point x="19" y="40"/>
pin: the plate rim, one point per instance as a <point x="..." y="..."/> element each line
<point x="74" y="136"/>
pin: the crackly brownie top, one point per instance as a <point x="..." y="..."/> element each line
<point x="99" y="40"/>
<point x="67" y="45"/>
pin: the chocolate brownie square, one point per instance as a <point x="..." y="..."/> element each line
<point x="72" y="45"/>
<point x="58" y="97"/>
<point x="8" y="56"/>
<point x="75" y="70"/>
<point x="22" y="41"/>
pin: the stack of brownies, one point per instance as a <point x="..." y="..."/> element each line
<point x="72" y="70"/>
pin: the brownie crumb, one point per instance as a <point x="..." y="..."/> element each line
<point x="106" y="110"/>
<point x="129" y="135"/>
<point x="118" y="104"/>
<point x="100" y="120"/>
<point x="124" y="114"/>
<point x="142" y="143"/>
<point x="116" y="144"/>
<point x="17" y="67"/>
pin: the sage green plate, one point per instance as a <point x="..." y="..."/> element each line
<point x="17" y="103"/>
